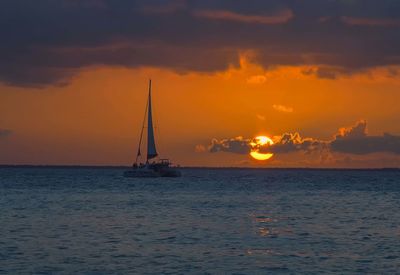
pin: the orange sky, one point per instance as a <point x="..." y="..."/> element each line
<point x="96" y="119"/>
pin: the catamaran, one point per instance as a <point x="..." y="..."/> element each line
<point x="152" y="167"/>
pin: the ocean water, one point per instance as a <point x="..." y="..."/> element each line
<point x="210" y="221"/>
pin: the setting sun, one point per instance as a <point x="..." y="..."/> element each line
<point x="256" y="144"/>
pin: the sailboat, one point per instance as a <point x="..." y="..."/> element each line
<point x="152" y="167"/>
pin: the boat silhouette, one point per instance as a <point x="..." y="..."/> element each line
<point x="153" y="167"/>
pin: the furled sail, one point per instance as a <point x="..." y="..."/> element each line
<point x="151" y="145"/>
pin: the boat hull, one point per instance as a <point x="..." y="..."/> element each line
<point x="151" y="173"/>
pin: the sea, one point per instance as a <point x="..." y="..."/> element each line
<point x="210" y="221"/>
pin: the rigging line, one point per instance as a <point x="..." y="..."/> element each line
<point x="141" y="132"/>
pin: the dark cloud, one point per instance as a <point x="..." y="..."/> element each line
<point x="326" y="72"/>
<point x="380" y="22"/>
<point x="287" y="143"/>
<point x="5" y="133"/>
<point x="358" y="131"/>
<point x="367" y="145"/>
<point x="353" y="140"/>
<point x="42" y="66"/>
<point x="237" y="145"/>
<point x="46" y="42"/>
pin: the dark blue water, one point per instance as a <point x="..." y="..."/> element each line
<point x="209" y="221"/>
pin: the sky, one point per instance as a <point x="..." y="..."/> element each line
<point x="321" y="78"/>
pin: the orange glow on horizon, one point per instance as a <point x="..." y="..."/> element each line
<point x="69" y="125"/>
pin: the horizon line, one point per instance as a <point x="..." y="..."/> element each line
<point x="68" y="166"/>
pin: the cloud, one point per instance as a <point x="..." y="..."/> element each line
<point x="359" y="130"/>
<point x="261" y="117"/>
<point x="352" y="140"/>
<point x="355" y="140"/>
<point x="367" y="145"/>
<point x="280" y="18"/>
<point x="5" y="133"/>
<point x="286" y="143"/>
<point x="330" y="72"/>
<point x="378" y="22"/>
<point x="48" y="42"/>
<point x="237" y="145"/>
<point x="41" y="67"/>
<point x="293" y="142"/>
<point x="282" y="108"/>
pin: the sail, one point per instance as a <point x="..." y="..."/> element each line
<point x="151" y="145"/>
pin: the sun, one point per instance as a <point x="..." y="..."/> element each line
<point x="256" y="144"/>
